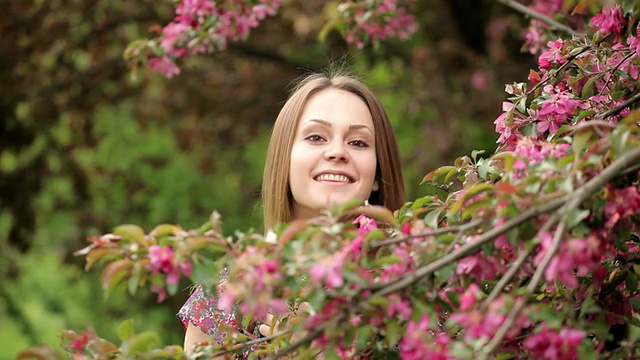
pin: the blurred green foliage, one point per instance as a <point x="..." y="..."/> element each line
<point x="84" y="146"/>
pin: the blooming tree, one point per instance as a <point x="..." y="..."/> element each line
<point x="532" y="252"/>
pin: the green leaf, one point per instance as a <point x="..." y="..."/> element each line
<point x="575" y="217"/>
<point x="132" y="232"/>
<point x="393" y="332"/>
<point x="631" y="281"/>
<point x="96" y="255"/>
<point x="475" y="153"/>
<point x="587" y="89"/>
<point x="483" y="168"/>
<point x="580" y="140"/>
<point x="125" y="330"/>
<point x="164" y="229"/>
<point x="114" y="273"/>
<point x="330" y="354"/>
<point x="326" y="29"/>
<point x="470" y="193"/>
<point x="433" y="218"/>
<point x="363" y="336"/>
<point x="474" y="207"/>
<point x="378" y="300"/>
<point x="134" y="280"/>
<point x="505" y="356"/>
<point x="143" y="342"/>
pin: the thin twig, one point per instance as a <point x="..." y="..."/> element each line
<point x="533" y="285"/>
<point x="558" y="70"/>
<point x="466" y="249"/>
<point x="614" y="69"/>
<point x="616" y="110"/>
<point x="246" y="344"/>
<point x="450" y="229"/>
<point x="580" y="195"/>
<point x="508" y="275"/>
<point x="536" y="15"/>
<point x="305" y="340"/>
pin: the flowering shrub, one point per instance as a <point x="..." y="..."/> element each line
<point x="532" y="252"/>
<point x="204" y="26"/>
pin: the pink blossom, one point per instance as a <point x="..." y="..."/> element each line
<point x="634" y="44"/>
<point x="610" y="20"/>
<point x="469" y="297"/>
<point x="484" y="324"/>
<point x="555" y="54"/>
<point x="366" y="225"/>
<point x="479" y="266"/>
<point x="504" y="123"/>
<point x="418" y="343"/>
<point x="399" y="306"/>
<point x="626" y="65"/>
<point x="378" y="23"/>
<point x="621" y="205"/>
<point x="79" y="343"/>
<point x="549" y="344"/>
<point x="575" y="256"/>
<point x="165" y="66"/>
<point x="161" y="291"/>
<point x="480" y="80"/>
<point x="406" y="263"/>
<point x="330" y="271"/>
<point x="161" y="259"/>
<point x="173" y="34"/>
<point x="557" y="110"/>
<point x="533" y="40"/>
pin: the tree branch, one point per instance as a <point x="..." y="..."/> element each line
<point x="628" y="159"/>
<point x="459" y="229"/>
<point x="467" y="248"/>
<point x="536" y="15"/>
<point x="616" y="110"/>
<point x="508" y="275"/>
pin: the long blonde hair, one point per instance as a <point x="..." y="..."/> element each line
<point x="276" y="197"/>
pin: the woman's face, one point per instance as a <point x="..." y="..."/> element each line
<point x="333" y="158"/>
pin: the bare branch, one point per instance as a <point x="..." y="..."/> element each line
<point x="536" y="15"/>
<point x="623" y="162"/>
<point x="459" y="229"/>
<point x="508" y="275"/>
<point x="616" y="110"/>
<point x="468" y="248"/>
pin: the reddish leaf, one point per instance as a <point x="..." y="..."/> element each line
<point x="506" y="188"/>
<point x="114" y="273"/>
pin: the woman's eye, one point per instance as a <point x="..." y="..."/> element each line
<point x="314" y="138"/>
<point x="359" y="143"/>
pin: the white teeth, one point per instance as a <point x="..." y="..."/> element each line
<point x="332" y="177"/>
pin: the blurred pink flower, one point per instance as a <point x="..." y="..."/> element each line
<point x="610" y="20"/>
<point x="551" y="345"/>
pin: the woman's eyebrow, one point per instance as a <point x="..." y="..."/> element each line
<point x="351" y="127"/>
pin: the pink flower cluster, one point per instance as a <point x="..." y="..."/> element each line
<point x="622" y="205"/>
<point x="329" y="270"/>
<point x="576" y="256"/>
<point x="534" y="36"/>
<point x="421" y="342"/>
<point x="202" y="26"/>
<point x="163" y="260"/>
<point x="553" y="345"/>
<point x="377" y="20"/>
<point x="482" y="324"/>
<point x="556" y="110"/>
<point x="609" y="21"/>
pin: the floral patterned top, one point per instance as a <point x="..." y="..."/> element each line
<point x="202" y="311"/>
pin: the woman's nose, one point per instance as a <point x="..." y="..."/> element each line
<point x="336" y="151"/>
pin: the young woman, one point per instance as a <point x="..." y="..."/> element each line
<point x="332" y="142"/>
